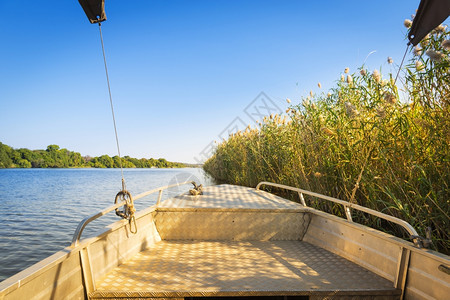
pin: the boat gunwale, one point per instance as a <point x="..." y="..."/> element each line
<point x="17" y="280"/>
<point x="347" y="206"/>
<point x="84" y="222"/>
<point x="383" y="235"/>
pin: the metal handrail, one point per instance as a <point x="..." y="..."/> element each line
<point x="347" y="206"/>
<point x="89" y="219"/>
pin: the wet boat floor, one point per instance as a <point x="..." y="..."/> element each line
<point x="178" y="268"/>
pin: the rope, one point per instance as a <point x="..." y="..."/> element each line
<point x="128" y="209"/>
<point x="401" y="64"/>
<point x="112" y="107"/>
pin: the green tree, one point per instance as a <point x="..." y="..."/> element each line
<point x="5" y="156"/>
<point x="161" y="163"/>
<point x="136" y="162"/>
<point x="52" y="148"/>
<point x="23" y="163"/>
<point x="55" y="157"/>
<point x="107" y="161"/>
<point x="75" y="159"/>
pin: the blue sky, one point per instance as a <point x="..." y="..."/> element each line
<point x="181" y="71"/>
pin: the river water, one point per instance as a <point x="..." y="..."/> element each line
<point x="40" y="208"/>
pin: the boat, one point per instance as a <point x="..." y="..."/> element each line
<point x="229" y="241"/>
<point x="234" y="241"/>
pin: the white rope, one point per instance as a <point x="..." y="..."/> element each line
<point x="401" y="64"/>
<point x="112" y="107"/>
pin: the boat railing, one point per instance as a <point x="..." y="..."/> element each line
<point x="347" y="208"/>
<point x="82" y="225"/>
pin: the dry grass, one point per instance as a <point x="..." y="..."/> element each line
<point x="360" y="143"/>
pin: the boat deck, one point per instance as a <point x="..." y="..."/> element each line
<point x="225" y="197"/>
<point x="204" y="254"/>
<point x="224" y="268"/>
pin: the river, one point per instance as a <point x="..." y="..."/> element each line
<point x="40" y="208"/>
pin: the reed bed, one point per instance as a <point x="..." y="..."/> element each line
<point x="360" y="143"/>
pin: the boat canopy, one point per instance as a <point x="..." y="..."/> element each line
<point x="94" y="10"/>
<point x="431" y="13"/>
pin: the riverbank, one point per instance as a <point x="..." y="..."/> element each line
<point x="55" y="157"/>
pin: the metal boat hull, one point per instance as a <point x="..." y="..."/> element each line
<point x="235" y="241"/>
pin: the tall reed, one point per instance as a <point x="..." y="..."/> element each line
<point x="358" y="142"/>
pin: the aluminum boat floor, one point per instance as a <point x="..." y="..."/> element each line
<point x="179" y="268"/>
<point x="227" y="196"/>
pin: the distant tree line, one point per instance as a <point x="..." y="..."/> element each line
<point x="54" y="157"/>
